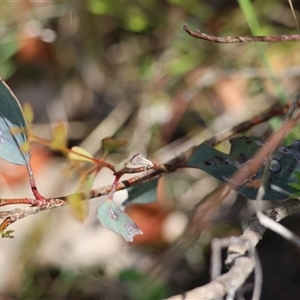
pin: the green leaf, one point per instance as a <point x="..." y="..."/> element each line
<point x="12" y="118"/>
<point x="80" y="154"/>
<point x="143" y="193"/>
<point x="294" y="185"/>
<point x="222" y="166"/>
<point x="112" y="217"/>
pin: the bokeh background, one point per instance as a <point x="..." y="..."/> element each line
<point x="127" y="69"/>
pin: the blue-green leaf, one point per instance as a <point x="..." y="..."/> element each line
<point x="12" y="119"/>
<point x="143" y="193"/>
<point x="222" y="166"/>
<point x="112" y="217"/>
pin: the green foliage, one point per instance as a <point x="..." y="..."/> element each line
<point x="7" y="234"/>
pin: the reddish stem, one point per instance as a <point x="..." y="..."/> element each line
<point x="4" y="202"/>
<point x="114" y="187"/>
<point x="36" y="193"/>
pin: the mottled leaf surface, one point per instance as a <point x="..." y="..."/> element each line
<point x="112" y="217"/>
<point x="143" y="193"/>
<point x="12" y="128"/>
<point x="222" y="166"/>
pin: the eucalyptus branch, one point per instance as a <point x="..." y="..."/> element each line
<point x="152" y="172"/>
<point x="241" y="39"/>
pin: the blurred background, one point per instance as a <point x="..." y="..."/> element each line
<point x="127" y="69"/>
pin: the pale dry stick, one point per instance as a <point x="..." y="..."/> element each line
<point x="255" y="231"/>
<point x="258" y="277"/>
<point x="278" y="228"/>
<point x="219" y="287"/>
<point x="216" y="257"/>
<point x="238" y="255"/>
<point x="241" y="39"/>
<point x="216" y="264"/>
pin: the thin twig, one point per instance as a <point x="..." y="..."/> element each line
<point x="241" y="39"/>
<point x="275" y="110"/>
